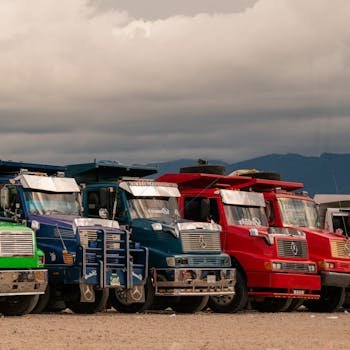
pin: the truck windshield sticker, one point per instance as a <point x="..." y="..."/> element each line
<point x="153" y="207"/>
<point x="245" y="215"/>
<point x="164" y="211"/>
<point x="250" y="222"/>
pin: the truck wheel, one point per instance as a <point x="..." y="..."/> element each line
<point x="296" y="303"/>
<point x="272" y="305"/>
<point x="42" y="302"/>
<point x="118" y="303"/>
<point x="18" y="305"/>
<point x="190" y="305"/>
<point x="332" y="298"/>
<point x="101" y="298"/>
<point x="231" y="303"/>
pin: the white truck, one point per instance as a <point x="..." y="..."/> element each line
<point x="334" y="212"/>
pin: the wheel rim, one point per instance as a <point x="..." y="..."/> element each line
<point x="223" y="299"/>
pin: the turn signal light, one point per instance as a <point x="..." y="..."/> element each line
<point x="68" y="258"/>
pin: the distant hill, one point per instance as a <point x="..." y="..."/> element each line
<point x="329" y="173"/>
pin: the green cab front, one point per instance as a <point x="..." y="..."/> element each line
<point x="22" y="274"/>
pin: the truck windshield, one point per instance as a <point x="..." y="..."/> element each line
<point x="298" y="212"/>
<point x="245" y="215"/>
<point x="153" y="207"/>
<point x="48" y="203"/>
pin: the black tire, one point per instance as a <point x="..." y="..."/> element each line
<point x="332" y="298"/>
<point x="101" y="298"/>
<point x="272" y="305"/>
<point x="189" y="305"/>
<point x="43" y="301"/>
<point x="120" y="306"/>
<point x="231" y="304"/>
<point x="18" y="305"/>
<point x="205" y="169"/>
<point x="160" y="303"/>
<point x="296" y="303"/>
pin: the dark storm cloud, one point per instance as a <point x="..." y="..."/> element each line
<point x="79" y="83"/>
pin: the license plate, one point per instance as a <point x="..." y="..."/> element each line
<point x="298" y="291"/>
<point x="211" y="278"/>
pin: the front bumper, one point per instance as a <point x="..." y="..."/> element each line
<point x="284" y="285"/>
<point x="335" y="279"/>
<point x="22" y="282"/>
<point x="194" y="281"/>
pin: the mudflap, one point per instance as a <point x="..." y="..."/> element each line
<point x="133" y="295"/>
<point x="87" y="293"/>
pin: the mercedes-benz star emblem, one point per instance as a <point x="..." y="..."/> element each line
<point x="202" y="242"/>
<point x="294" y="248"/>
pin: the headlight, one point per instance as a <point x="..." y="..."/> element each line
<point x="157" y="226"/>
<point x="226" y="261"/>
<point x="325" y="265"/>
<point x="276" y="266"/>
<point x="170" y="260"/>
<point x="84" y="238"/>
<point x="312" y="268"/>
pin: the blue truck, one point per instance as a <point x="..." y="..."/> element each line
<point x="85" y="257"/>
<point x="186" y="264"/>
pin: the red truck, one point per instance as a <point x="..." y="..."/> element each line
<point x="273" y="265"/>
<point x="290" y="207"/>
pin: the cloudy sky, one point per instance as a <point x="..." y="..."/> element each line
<point x="140" y="81"/>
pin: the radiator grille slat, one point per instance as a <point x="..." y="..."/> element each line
<point x="340" y="249"/>
<point x="200" y="241"/>
<point x="292" y="248"/>
<point x="16" y="244"/>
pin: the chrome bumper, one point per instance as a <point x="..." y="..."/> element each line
<point x="187" y="281"/>
<point x="22" y="282"/>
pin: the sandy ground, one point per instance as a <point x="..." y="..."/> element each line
<point x="111" y="330"/>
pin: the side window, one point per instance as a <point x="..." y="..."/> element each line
<point x="270" y="212"/>
<point x="192" y="206"/>
<point x="201" y="209"/>
<point x="214" y="210"/>
<point x="93" y="199"/>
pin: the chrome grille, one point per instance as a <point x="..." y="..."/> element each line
<point x="16" y="244"/>
<point x="200" y="241"/>
<point x="295" y="267"/>
<point x="340" y="248"/>
<point x="292" y="248"/>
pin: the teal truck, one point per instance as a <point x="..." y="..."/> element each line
<point x="22" y="274"/>
<point x="186" y="264"/>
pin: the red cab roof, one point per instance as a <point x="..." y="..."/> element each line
<point x="238" y="182"/>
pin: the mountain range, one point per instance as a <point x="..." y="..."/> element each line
<point x="328" y="173"/>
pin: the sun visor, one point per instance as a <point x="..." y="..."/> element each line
<point x="243" y="198"/>
<point x="49" y="184"/>
<point x="150" y="189"/>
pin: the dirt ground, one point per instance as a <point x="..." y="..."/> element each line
<point x="111" y="330"/>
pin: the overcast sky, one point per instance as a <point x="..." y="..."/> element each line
<point x="141" y="81"/>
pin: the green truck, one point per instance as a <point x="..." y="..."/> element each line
<point x="22" y="274"/>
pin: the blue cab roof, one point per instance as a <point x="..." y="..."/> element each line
<point x="106" y="170"/>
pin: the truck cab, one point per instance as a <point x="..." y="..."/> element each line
<point x="334" y="212"/>
<point x="290" y="207"/>
<point x="84" y="257"/>
<point x="185" y="258"/>
<point x="273" y="266"/>
<point x="23" y="277"/>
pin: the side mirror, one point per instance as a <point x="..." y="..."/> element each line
<point x="5" y="198"/>
<point x="103" y="213"/>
